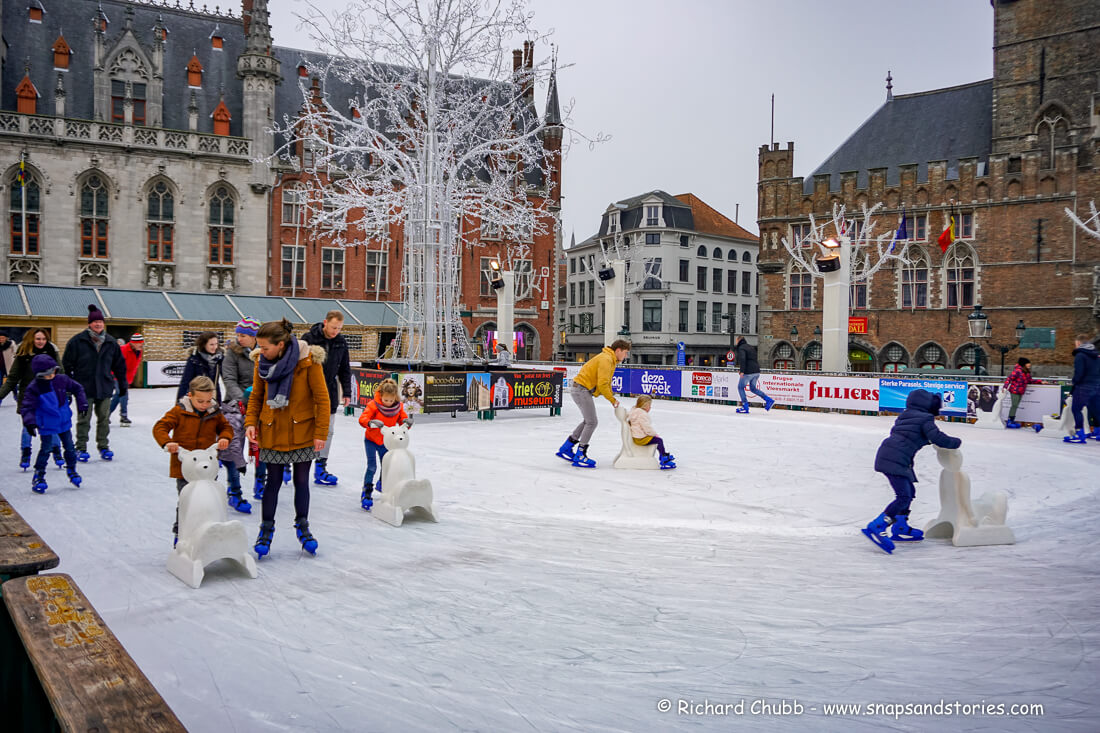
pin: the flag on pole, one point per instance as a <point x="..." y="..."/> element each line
<point x="947" y="238"/>
<point x="902" y="233"/>
<point x="21" y="176"/>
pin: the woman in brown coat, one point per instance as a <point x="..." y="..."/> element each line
<point x="289" y="408"/>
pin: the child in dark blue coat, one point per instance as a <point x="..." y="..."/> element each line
<point x="914" y="429"/>
<point x="46" y="410"/>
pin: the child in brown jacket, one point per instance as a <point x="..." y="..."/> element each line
<point x="195" y="423"/>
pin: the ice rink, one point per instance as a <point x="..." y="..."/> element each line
<point x="552" y="598"/>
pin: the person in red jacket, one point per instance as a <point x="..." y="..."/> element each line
<point x="385" y="410"/>
<point x="1016" y="384"/>
<point x="132" y="353"/>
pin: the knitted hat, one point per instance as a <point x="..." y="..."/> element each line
<point x="248" y="327"/>
<point x="94" y="313"/>
<point x="137" y="338"/>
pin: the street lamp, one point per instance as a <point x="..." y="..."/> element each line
<point x="1005" y="348"/>
<point x="978" y="324"/>
<point x="731" y="317"/>
<point x="817" y="332"/>
<point x="794" y="334"/>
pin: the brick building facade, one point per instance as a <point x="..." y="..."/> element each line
<point x="1007" y="156"/>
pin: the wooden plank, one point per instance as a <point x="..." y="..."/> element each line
<point x="22" y="551"/>
<point x="90" y="680"/>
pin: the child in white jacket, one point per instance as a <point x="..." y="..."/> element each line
<point x="641" y="430"/>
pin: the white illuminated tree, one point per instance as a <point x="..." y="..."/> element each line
<point x="1089" y="225"/>
<point x="439" y="137"/>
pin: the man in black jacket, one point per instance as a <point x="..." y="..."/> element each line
<point x="93" y="358"/>
<point x="337" y="366"/>
<point x="750" y="373"/>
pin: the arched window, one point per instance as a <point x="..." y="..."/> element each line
<point x="716" y="254"/>
<point x="1052" y="132"/>
<point x="931" y="356"/>
<point x="860" y="359"/>
<point x="959" y="275"/>
<point x="969" y="357"/>
<point x="701" y="252"/>
<point x="94" y="217"/>
<point x="25" y="211"/>
<point x="858" y="288"/>
<point x="783" y="356"/>
<point x="914" y="280"/>
<point x="801" y="287"/>
<point x="894" y="358"/>
<point x="811" y="357"/>
<point x="746" y="257"/>
<point x="221" y="226"/>
<point x="294" y="200"/>
<point x="731" y="256"/>
<point x="159" y="220"/>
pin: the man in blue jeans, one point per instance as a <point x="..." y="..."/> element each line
<point x="750" y="374"/>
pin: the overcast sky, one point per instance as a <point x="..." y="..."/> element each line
<point x="684" y="88"/>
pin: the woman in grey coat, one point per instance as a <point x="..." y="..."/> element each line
<point x="237" y="372"/>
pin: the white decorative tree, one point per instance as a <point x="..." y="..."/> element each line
<point x="439" y="137"/>
<point x="1091" y="225"/>
<point x="848" y="247"/>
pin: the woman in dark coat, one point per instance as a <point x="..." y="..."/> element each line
<point x="205" y="361"/>
<point x="35" y="341"/>
<point x="914" y="429"/>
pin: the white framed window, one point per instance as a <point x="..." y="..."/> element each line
<point x="522" y="271"/>
<point x="293" y="266"/>
<point x="332" y="268"/>
<point x="914" y="281"/>
<point x="378" y="266"/>
<point x="959" y="276"/>
<point x="294" y="200"/>
<point x="916" y="226"/>
<point x="490" y="229"/>
<point x="964" y="225"/>
<point x="652" y="216"/>
<point x="613" y="222"/>
<point x="800" y="235"/>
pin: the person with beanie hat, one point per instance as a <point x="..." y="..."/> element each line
<point x="45" y="410"/>
<point x="237" y="373"/>
<point x="132" y="353"/>
<point x="1016" y="384"/>
<point x="35" y="341"/>
<point x="93" y="358"/>
<point x="326" y="334"/>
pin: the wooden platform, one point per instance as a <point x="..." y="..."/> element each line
<point x="91" y="682"/>
<point x="22" y="551"/>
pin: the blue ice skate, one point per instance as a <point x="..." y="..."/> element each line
<point x="321" y="476"/>
<point x="876" y="532"/>
<point x="1078" y="437"/>
<point x="768" y="402"/>
<point x="263" y="542"/>
<point x="57" y="457"/>
<point x="567" y="449"/>
<point x="25" y="459"/>
<point x="668" y="461"/>
<point x="107" y="454"/>
<point x="309" y="544"/>
<point x="238" y="502"/>
<point x="900" y="531"/>
<point x="744" y="408"/>
<point x="74" y="477"/>
<point x="38" y="482"/>
<point x="365" y="499"/>
<point x="286" y="474"/>
<point x="1012" y="425"/>
<point x="258" y="489"/>
<point x="82" y="456"/>
<point x="581" y="459"/>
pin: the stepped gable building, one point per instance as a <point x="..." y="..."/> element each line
<point x="141" y="128"/>
<point x="703" y="289"/>
<point x="1007" y="155"/>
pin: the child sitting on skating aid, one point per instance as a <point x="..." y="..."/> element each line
<point x="642" y="432"/>
<point x="194" y="423"/>
<point x="383" y="411"/>
<point x="46" y="410"/>
<point x="914" y="429"/>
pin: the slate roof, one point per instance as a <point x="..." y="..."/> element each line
<point x="188" y="33"/>
<point x="942" y="124"/>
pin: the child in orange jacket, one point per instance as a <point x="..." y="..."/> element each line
<point x="383" y="411"/>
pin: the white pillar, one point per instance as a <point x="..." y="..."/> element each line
<point x="614" y="294"/>
<point x="834" y="312"/>
<point x="506" y="301"/>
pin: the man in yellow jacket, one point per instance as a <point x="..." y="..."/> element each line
<point x="593" y="379"/>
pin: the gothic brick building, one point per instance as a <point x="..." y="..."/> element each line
<point x="1007" y="155"/>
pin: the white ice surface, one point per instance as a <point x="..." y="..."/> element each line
<point x="551" y="598"/>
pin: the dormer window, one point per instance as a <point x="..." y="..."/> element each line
<point x="216" y="38"/>
<point x="613" y="222"/>
<point x="61" y="54"/>
<point x="221" y="119"/>
<point x="303" y="71"/>
<point x="26" y="97"/>
<point x="35" y="13"/>
<point x="194" y="72"/>
<point x="652" y="216"/>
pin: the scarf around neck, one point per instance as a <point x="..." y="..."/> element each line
<point x="97" y="338"/>
<point x="279" y="375"/>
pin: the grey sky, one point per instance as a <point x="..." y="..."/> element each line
<point x="684" y="87"/>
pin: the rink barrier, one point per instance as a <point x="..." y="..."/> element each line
<point x="60" y="667"/>
<point x="818" y="391"/>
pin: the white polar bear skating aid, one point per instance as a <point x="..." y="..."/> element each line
<point x="968" y="523"/>
<point x="205" y="535"/>
<point x="401" y="489"/>
<point x="632" y="455"/>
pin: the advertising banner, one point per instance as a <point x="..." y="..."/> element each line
<point x="410" y="389"/>
<point x="363" y="382"/>
<point x="700" y="385"/>
<point x="478" y="397"/>
<point x="894" y="392"/>
<point x="513" y="390"/>
<point x="445" y="392"/>
<point x="836" y="393"/>
<point x="656" y="382"/>
<point x="163" y="373"/>
<point x="1037" y="401"/>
